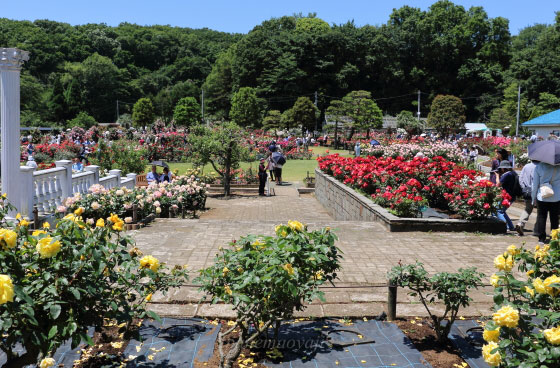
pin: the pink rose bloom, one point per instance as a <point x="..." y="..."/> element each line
<point x="61" y="209"/>
<point x="157" y="204"/>
<point x="157" y="194"/>
<point x="169" y="194"/>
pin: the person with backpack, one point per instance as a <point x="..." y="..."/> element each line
<point x="526" y="183"/>
<point x="509" y="181"/>
<point x="279" y="161"/>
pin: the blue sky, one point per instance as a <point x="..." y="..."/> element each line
<point x="243" y="15"/>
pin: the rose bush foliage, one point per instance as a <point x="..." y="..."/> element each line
<point x="267" y="278"/>
<point x="55" y="282"/>
<point x="525" y="328"/>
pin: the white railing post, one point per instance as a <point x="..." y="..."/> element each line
<point x="118" y="174"/>
<point x="66" y="183"/>
<point x="133" y="177"/>
<point x="95" y="170"/>
<point x="27" y="191"/>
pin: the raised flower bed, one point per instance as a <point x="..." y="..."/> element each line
<point x="398" y="192"/>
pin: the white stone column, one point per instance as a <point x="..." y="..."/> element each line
<point x="132" y="176"/>
<point x="11" y="61"/>
<point x="118" y="174"/>
<point x="95" y="170"/>
<point x="28" y="191"/>
<point x="66" y="179"/>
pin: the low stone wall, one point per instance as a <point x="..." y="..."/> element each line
<point x="345" y="204"/>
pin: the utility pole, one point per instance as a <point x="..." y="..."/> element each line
<point x="518" y="106"/>
<point x="117" y="110"/>
<point x="418" y="113"/>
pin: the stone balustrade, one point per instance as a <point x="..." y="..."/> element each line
<point x="48" y="188"/>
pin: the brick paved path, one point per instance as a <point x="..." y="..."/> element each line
<point x="369" y="251"/>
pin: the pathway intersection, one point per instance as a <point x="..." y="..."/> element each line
<point x="369" y="253"/>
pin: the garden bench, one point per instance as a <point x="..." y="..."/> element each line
<point x="141" y="180"/>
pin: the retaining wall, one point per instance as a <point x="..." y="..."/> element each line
<point x="346" y="204"/>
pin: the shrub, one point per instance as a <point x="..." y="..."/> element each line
<point x="267" y="278"/>
<point x="525" y="329"/>
<point x="64" y="155"/>
<point x="450" y="288"/>
<point x="55" y="283"/>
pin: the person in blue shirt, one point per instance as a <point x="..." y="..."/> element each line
<point x="166" y="176"/>
<point x="546" y="175"/>
<point x="153" y="176"/>
<point x="77" y="165"/>
<point x="509" y="182"/>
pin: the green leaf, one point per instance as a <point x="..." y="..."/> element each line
<point x="154" y="315"/>
<point x="52" y="331"/>
<point x="55" y="310"/>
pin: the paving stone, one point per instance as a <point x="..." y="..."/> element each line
<point x="369" y="250"/>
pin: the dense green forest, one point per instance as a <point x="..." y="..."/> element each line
<point x="445" y="50"/>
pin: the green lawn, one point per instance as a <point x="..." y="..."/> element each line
<point x="293" y="170"/>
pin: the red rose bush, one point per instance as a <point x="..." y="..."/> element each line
<point x="405" y="186"/>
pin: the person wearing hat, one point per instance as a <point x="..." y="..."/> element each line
<point x="31" y="162"/>
<point x="509" y="181"/>
<point x="262" y="176"/>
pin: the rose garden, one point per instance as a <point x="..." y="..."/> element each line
<point x="374" y="246"/>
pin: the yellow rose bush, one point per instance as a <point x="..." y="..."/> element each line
<point x="525" y="328"/>
<point x="57" y="281"/>
<point x="267" y="278"/>
<point x="452" y="289"/>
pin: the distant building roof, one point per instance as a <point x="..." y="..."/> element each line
<point x="552" y="118"/>
<point x="474" y="127"/>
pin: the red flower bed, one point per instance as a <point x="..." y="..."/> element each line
<point x="405" y="186"/>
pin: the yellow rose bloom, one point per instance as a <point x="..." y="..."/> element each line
<point x="319" y="275"/>
<point x="277" y="228"/>
<point x="552" y="290"/>
<point x="540" y="253"/>
<point x="506" y="317"/>
<point x="149" y="297"/>
<point x="495" y="280"/>
<point x="149" y="262"/>
<point x="503" y="262"/>
<point x="47" y="363"/>
<point x="75" y="219"/>
<point x="513" y="250"/>
<point x="491" y="336"/>
<point x="48" y="247"/>
<point x="552" y="335"/>
<point x="530" y="291"/>
<point x="38" y="232"/>
<point x="227" y="289"/>
<point x="554" y="234"/>
<point x="118" y="226"/>
<point x="6" y="289"/>
<point x="492" y="360"/>
<point x="8" y="238"/>
<point x="79" y="211"/>
<point x="539" y="286"/>
<point x="225" y="271"/>
<point x="530" y="272"/>
<point x="288" y="267"/>
<point x="296" y="225"/>
<point x="46" y="225"/>
<point x="23" y="223"/>
<point x="100" y="223"/>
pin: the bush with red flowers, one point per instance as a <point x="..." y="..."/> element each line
<point x="405" y="186"/>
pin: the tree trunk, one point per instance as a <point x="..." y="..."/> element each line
<point x="227" y="174"/>
<point x="336" y="135"/>
<point x="234" y="352"/>
<point x="367" y="134"/>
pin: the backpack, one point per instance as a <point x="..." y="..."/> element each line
<point x="281" y="160"/>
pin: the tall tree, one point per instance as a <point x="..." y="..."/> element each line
<point x="221" y="147"/>
<point x="447" y="114"/>
<point x="187" y="112"/>
<point x="365" y="113"/>
<point x="272" y="120"/>
<point x="143" y="112"/>
<point x="246" y="108"/>
<point x="336" y="112"/>
<point x="305" y="113"/>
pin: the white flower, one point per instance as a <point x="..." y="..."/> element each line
<point x="128" y="220"/>
<point x="119" y="192"/>
<point x="158" y="210"/>
<point x="90" y="221"/>
<point x="95" y="206"/>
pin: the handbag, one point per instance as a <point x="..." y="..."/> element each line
<point x="546" y="190"/>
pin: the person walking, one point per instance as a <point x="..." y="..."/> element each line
<point x="270" y="167"/>
<point x="510" y="183"/>
<point x="526" y="183"/>
<point x="494" y="166"/>
<point x="357" y="149"/>
<point x="262" y="176"/>
<point x="546" y="196"/>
